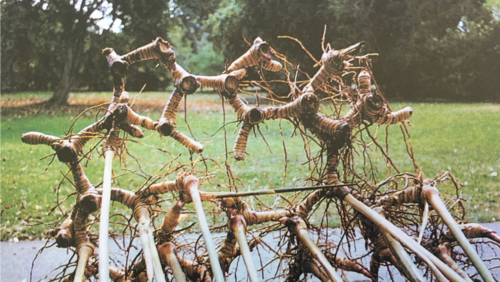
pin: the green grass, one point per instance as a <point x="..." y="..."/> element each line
<point x="460" y="138"/>
<point x="463" y="139"/>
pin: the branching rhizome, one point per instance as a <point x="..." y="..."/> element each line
<point x="399" y="223"/>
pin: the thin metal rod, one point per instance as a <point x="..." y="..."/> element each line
<point x="104" y="221"/>
<point x="218" y="195"/>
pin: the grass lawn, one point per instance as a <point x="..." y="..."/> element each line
<point x="460" y="138"/>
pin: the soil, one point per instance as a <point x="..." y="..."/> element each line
<point x="39" y="106"/>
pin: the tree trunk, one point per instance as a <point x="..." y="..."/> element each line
<point x="61" y="92"/>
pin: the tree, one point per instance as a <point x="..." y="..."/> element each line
<point x="418" y="41"/>
<point x="56" y="44"/>
<point x="24" y="50"/>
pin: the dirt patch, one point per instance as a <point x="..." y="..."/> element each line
<point x="39" y="106"/>
<point x="16" y="102"/>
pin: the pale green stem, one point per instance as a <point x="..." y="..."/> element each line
<point x="174" y="264"/>
<point x="83" y="257"/>
<point x="239" y="233"/>
<point x="438" y="205"/>
<point x="385" y="225"/>
<point x="412" y="273"/>
<point x="425" y="219"/>
<point x="316" y="252"/>
<point x="104" y="221"/>
<point x="146" y="249"/>
<point x="191" y="185"/>
<point x="159" y="274"/>
<point x="439" y="275"/>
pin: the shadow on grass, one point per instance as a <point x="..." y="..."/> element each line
<point x="21" y="107"/>
<point x="40" y="108"/>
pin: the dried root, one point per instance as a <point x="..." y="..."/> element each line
<point x="372" y="107"/>
<point x="472" y="231"/>
<point x="342" y="150"/>
<point x="259" y="53"/>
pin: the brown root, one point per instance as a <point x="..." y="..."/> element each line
<point x="259" y="53"/>
<point x="444" y="253"/>
<point x="472" y="231"/>
<point x="184" y="81"/>
<point x="241" y="141"/>
<point x="158" y="49"/>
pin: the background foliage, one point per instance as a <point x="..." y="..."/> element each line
<point x="439" y="50"/>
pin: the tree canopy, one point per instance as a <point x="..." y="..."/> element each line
<point x="428" y="49"/>
<point x="56" y="44"/>
<point x="423" y="53"/>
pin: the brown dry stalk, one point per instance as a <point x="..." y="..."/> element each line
<point x="116" y="274"/>
<point x="412" y="194"/>
<point x="306" y="104"/>
<point x="158" y="49"/>
<point x="190" y="144"/>
<point x="237" y="225"/>
<point x="164" y="187"/>
<point x="305" y="207"/>
<point x="379" y="256"/>
<point x="241" y="141"/>
<point x="472" y="231"/>
<point x="184" y="81"/>
<point x="239" y="107"/>
<point x="372" y="106"/>
<point x="331" y="169"/>
<point x="171" y="220"/>
<point x="83" y="136"/>
<point x="134" y="118"/>
<point x="259" y="53"/>
<point x="38" y="138"/>
<point x="194" y="271"/>
<point x="298" y="227"/>
<point x="271" y="65"/>
<point x="88" y="197"/>
<point x="251" y="216"/>
<point x="227" y="251"/>
<point x="132" y="130"/>
<point x="333" y="63"/>
<point x="342" y="79"/>
<point x="64" y="233"/>
<point x="381" y="251"/>
<point x="339" y="259"/>
<point x="221" y="83"/>
<point x="118" y="69"/>
<point x="66" y="150"/>
<point x="170" y="111"/>
<point x="166" y="125"/>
